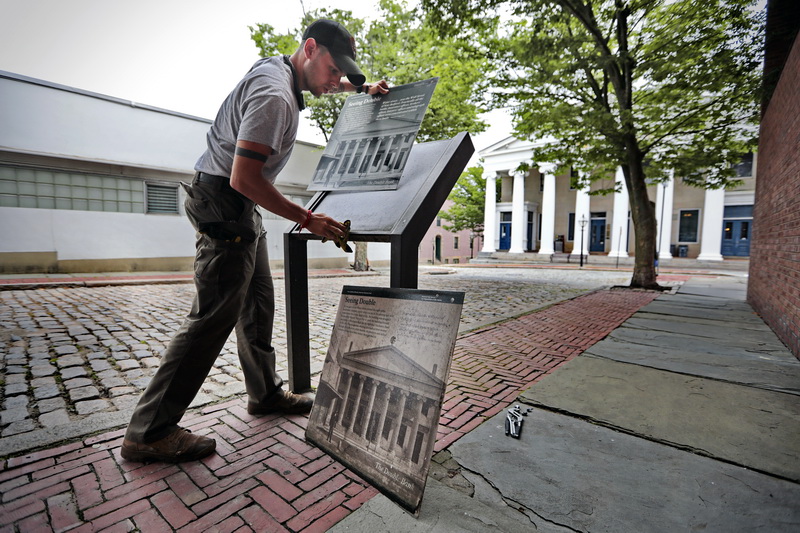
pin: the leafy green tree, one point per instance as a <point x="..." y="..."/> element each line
<point x="651" y="86"/>
<point x="400" y="46"/>
<point x="468" y="202"/>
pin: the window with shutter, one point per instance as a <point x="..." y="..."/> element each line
<point x="162" y="199"/>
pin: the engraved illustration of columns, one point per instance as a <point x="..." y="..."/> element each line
<point x="412" y="440"/>
<point x="346" y="396"/>
<point x="387" y="395"/>
<point x="664" y="200"/>
<point x="582" y="210"/>
<point x="548" y="210"/>
<point x="378" y="156"/>
<point x="357" y="403"/>
<point x="518" y="219"/>
<point x="361" y="168"/>
<point x="711" y="236"/>
<point x="349" y="155"/>
<point x="489" y="212"/>
<point x="335" y="165"/>
<point x="370" y="404"/>
<point x="432" y="424"/>
<point x="388" y="157"/>
<point x="398" y="420"/>
<point x="619" y="226"/>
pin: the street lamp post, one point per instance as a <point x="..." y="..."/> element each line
<point x="582" y="223"/>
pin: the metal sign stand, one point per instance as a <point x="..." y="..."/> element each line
<point x="400" y="217"/>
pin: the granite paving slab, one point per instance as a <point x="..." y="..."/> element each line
<point x="681" y="306"/>
<point x="443" y="510"/>
<point x="738" y="344"/>
<point x="708" y="328"/>
<point x="744" y="425"/>
<point x="777" y="371"/>
<point x="571" y="473"/>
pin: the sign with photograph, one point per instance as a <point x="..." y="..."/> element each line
<point x="380" y="394"/>
<point x="372" y="138"/>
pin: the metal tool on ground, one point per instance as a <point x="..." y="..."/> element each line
<point x="514" y="421"/>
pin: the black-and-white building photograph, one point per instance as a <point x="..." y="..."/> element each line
<point x="379" y="399"/>
<point x="373" y="135"/>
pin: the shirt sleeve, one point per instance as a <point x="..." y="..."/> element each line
<point x="265" y="118"/>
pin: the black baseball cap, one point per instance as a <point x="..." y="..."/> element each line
<point x="340" y="44"/>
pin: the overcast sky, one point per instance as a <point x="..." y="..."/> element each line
<point x="182" y="55"/>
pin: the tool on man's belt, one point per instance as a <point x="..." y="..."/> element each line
<point x="514" y="421"/>
<point x="227" y="231"/>
<point x="341" y="242"/>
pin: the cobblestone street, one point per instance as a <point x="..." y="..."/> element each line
<point x="74" y="360"/>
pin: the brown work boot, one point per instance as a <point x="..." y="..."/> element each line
<point x="179" y="446"/>
<point x="286" y="402"/>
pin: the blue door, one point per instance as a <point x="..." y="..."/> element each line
<point x="505" y="231"/>
<point x="598" y="242"/>
<point x="736" y="237"/>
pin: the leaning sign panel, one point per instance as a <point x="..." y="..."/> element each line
<point x="380" y="394"/>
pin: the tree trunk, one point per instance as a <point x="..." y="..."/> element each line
<point x="643" y="214"/>
<point x="361" y="262"/>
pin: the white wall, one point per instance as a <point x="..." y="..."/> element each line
<point x="63" y="126"/>
<point x="38" y="118"/>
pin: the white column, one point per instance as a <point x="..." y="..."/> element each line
<point x="519" y="222"/>
<point x="711" y="236"/>
<point x="548" y="211"/>
<point x="619" y="226"/>
<point x="582" y="210"/>
<point x="490" y="213"/>
<point x="664" y="200"/>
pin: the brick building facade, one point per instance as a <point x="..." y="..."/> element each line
<point x="774" y="283"/>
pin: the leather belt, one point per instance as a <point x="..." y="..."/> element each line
<point x="220" y="181"/>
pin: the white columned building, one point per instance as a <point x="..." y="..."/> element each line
<point x="711" y="236"/>
<point x="619" y="226"/>
<point x="519" y="220"/>
<point x="548" y="210"/>
<point x="582" y="212"/>
<point x="501" y="161"/>
<point x="489" y="215"/>
<point x="664" y="202"/>
<point x="537" y="211"/>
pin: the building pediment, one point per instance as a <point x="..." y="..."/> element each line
<point x="506" y="155"/>
<point x="388" y="359"/>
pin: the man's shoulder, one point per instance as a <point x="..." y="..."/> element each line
<point x="269" y="74"/>
<point x="269" y="66"/>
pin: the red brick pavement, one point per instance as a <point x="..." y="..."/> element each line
<point x="264" y="476"/>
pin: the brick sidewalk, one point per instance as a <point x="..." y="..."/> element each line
<point x="264" y="477"/>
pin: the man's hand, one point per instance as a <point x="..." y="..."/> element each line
<point x="379" y="87"/>
<point x="341" y="242"/>
<point x="326" y="227"/>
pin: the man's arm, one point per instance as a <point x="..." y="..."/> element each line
<point x="247" y="179"/>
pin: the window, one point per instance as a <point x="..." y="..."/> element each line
<point x="687" y="229"/>
<point x="745" y="168"/>
<point x="573" y="179"/>
<point x="162" y="199"/>
<point x="571" y="227"/>
<point x="438" y="222"/>
<point x="455" y="243"/>
<point x="58" y="189"/>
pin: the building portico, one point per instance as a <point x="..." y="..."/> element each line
<point x="536" y="212"/>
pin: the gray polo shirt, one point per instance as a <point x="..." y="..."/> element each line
<point x="262" y="108"/>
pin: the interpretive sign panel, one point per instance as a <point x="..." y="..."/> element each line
<point x="380" y="393"/>
<point x="372" y="138"/>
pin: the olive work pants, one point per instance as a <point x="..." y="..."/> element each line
<point x="233" y="289"/>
